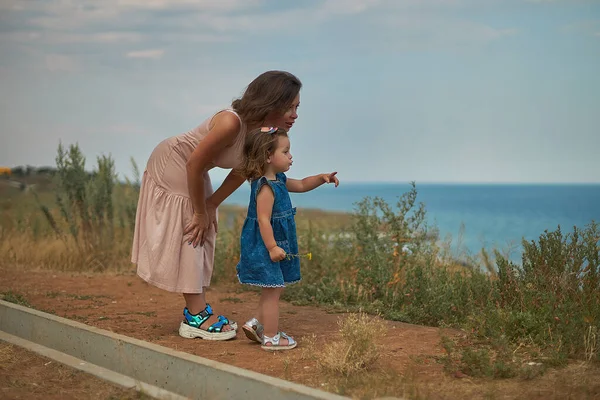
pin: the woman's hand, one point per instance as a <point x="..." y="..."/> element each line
<point x="197" y="229"/>
<point x="201" y="223"/>
<point x="277" y="254"/>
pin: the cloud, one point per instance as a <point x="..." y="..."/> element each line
<point x="409" y="32"/>
<point x="330" y="7"/>
<point x="104" y="32"/>
<point x="588" y="28"/>
<point x="67" y="15"/>
<point x="568" y="2"/>
<point x="60" y="63"/>
<point x="204" y="5"/>
<point x="115" y="21"/>
<point x="95" y="6"/>
<point x="182" y="37"/>
<point x="150" y="53"/>
<point x="71" y="38"/>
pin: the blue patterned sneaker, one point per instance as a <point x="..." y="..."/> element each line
<point x="190" y="327"/>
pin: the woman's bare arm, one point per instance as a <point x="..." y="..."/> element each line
<point x="225" y="128"/>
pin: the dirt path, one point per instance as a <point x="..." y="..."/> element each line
<point x="125" y="304"/>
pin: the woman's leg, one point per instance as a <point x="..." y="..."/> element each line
<point x="196" y="302"/>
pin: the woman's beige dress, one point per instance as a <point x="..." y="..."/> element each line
<point x="162" y="253"/>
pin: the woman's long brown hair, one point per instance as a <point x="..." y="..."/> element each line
<point x="270" y="91"/>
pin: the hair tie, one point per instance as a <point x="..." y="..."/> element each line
<point x="268" y="130"/>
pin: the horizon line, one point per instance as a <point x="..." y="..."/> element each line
<point x="360" y="182"/>
<point x="388" y="182"/>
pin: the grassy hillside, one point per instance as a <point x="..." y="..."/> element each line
<point x="382" y="258"/>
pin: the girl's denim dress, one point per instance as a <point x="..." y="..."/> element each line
<point x="255" y="266"/>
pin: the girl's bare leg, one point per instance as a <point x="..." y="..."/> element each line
<point x="268" y="312"/>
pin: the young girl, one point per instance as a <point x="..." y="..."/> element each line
<point x="269" y="253"/>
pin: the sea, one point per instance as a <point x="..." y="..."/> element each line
<point x="470" y="216"/>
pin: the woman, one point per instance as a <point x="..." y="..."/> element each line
<point x="176" y="221"/>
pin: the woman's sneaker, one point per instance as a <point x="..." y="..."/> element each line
<point x="190" y="327"/>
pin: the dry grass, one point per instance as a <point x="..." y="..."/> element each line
<point x="29" y="239"/>
<point x="7" y="355"/>
<point x="591" y="343"/>
<point x="51" y="252"/>
<point x="353" y="359"/>
<point x="354" y="362"/>
<point x="358" y="348"/>
<point x="576" y="381"/>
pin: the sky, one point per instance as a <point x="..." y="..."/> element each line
<point x="498" y="91"/>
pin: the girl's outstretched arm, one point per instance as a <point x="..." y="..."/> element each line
<point x="311" y="182"/>
<point x="264" y="208"/>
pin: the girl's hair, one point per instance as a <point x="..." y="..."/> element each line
<point x="260" y="144"/>
<point x="270" y="91"/>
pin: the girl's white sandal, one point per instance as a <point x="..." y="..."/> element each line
<point x="272" y="343"/>
<point x="254" y="330"/>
